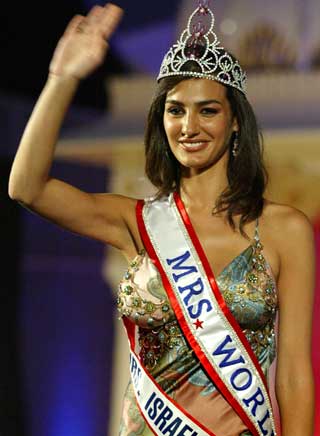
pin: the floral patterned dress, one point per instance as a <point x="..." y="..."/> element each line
<point x="249" y="289"/>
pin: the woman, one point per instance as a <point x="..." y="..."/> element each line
<point x="205" y="314"/>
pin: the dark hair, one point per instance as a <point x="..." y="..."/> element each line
<point x="246" y="172"/>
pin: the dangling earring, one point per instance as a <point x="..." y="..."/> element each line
<point x="235" y="148"/>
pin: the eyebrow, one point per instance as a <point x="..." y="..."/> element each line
<point x="198" y="103"/>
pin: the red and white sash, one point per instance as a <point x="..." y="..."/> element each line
<point x="162" y="414"/>
<point x="206" y="322"/>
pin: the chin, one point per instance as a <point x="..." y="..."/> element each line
<point x="198" y="166"/>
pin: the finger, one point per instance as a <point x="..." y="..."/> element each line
<point x="74" y="23"/>
<point x="111" y="18"/>
<point x="95" y="15"/>
<point x="95" y="19"/>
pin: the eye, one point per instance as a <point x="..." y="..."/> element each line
<point x="209" y="111"/>
<point x="174" y="110"/>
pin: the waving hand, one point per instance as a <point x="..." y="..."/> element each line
<point x="84" y="44"/>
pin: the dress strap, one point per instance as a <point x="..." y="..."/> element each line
<point x="256" y="233"/>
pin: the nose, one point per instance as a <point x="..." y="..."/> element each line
<point x="190" y="125"/>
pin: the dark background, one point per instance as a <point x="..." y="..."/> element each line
<point x="55" y="366"/>
<point x="29" y="32"/>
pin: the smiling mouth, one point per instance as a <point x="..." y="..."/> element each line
<point x="194" y="146"/>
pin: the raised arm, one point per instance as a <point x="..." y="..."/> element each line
<point x="79" y="52"/>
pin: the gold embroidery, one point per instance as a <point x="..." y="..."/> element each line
<point x="247" y="288"/>
<point x="132" y="303"/>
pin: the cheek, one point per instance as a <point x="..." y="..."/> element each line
<point x="171" y="127"/>
<point x="217" y="128"/>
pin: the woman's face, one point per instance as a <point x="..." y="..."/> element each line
<point x="198" y="123"/>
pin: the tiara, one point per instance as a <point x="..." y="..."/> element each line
<point x="198" y="44"/>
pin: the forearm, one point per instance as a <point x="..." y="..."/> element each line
<point x="296" y="404"/>
<point x="34" y="157"/>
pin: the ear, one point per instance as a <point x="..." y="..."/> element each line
<point x="235" y="125"/>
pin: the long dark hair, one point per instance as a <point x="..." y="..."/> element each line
<point x="246" y="173"/>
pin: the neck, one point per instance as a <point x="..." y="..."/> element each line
<point x="201" y="189"/>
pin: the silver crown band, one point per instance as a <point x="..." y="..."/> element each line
<point x="199" y="45"/>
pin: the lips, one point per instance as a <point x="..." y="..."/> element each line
<point x="193" y="145"/>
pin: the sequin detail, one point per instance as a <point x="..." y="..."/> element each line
<point x="154" y="343"/>
<point x="246" y="284"/>
<point x="248" y="287"/>
<point x="147" y="305"/>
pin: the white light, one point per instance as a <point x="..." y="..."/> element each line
<point x="228" y="26"/>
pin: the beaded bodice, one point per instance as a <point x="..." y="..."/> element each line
<point x="248" y="288"/>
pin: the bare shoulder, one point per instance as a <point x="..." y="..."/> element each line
<point x="290" y="233"/>
<point x="287" y="221"/>
<point x="286" y="232"/>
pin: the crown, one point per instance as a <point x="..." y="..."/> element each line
<point x="199" y="45"/>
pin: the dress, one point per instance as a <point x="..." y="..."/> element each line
<point x="249" y="289"/>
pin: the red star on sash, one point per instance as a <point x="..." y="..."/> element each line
<point x="198" y="324"/>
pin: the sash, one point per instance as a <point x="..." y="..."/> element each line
<point x="204" y="318"/>
<point x="162" y="414"/>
